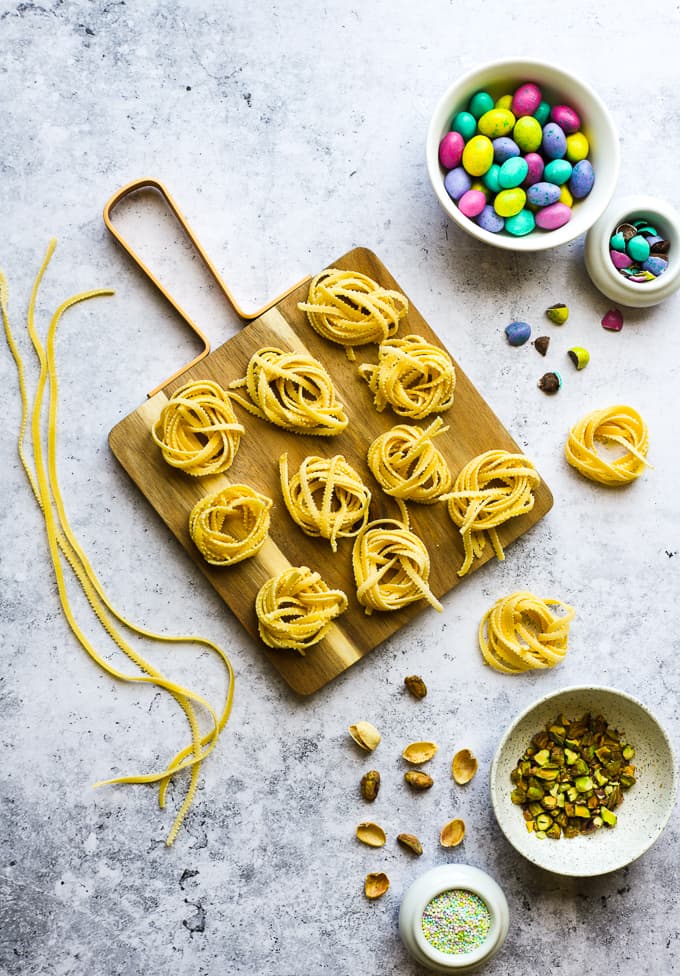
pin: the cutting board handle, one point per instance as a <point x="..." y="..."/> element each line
<point x="149" y="183"/>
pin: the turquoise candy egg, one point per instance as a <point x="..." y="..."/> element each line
<point x="522" y="223"/>
<point x="466" y="124"/>
<point x="497" y="122"/>
<point x="528" y="133"/>
<point x="557" y="171"/>
<point x="618" y="242"/>
<point x="542" y="113"/>
<point x="490" y="178"/>
<point x="638" y="248"/>
<point x="513" y="172"/>
<point x="480" y="103"/>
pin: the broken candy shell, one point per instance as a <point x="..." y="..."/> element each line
<point x="558" y="313"/>
<point x="579" y="356"/>
<point x="612" y="320"/>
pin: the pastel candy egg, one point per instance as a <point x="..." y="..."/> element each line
<point x="451" y="150"/>
<point x="558" y="171"/>
<point x="655" y="264"/>
<point x="497" y="122"/>
<point x="638" y="248"/>
<point x="582" y="179"/>
<point x="513" y="172"/>
<point x="617" y="242"/>
<point x="505" y="101"/>
<point x="542" y="113"/>
<point x="466" y="124"/>
<point x="578" y="147"/>
<point x="480" y="103"/>
<point x="490" y="178"/>
<point x="478" y="155"/>
<point x="526" y="99"/>
<point x="478" y="185"/>
<point x="565" y="116"/>
<point x="503" y="148"/>
<point x="472" y="203"/>
<point x="536" y="167"/>
<point x="489" y="220"/>
<point x="554" y="142"/>
<point x="554" y="216"/>
<point x="528" y="133"/>
<point x="620" y="259"/>
<point x="520" y="224"/>
<point x="543" y="194"/>
<point x="509" y="202"/>
<point x="457" y="182"/>
<point x="566" y="195"/>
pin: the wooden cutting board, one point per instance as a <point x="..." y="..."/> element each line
<point x="473" y="428"/>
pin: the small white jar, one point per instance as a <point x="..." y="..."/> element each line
<point x="448" y="877"/>
<point x="606" y="278"/>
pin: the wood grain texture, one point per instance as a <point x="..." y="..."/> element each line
<point x="473" y="429"/>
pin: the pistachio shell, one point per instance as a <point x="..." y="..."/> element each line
<point x="418" y="780"/>
<point x="419" y="752"/>
<point x="452" y="833"/>
<point x="464" y="766"/>
<point x="365" y="735"/>
<point x="376" y="884"/>
<point x="411" y="842"/>
<point x="371" y="834"/>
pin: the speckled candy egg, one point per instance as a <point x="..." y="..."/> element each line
<point x="567" y="119"/>
<point x="451" y="150"/>
<point x="495" y="123"/>
<point x="536" y="167"/>
<point x="478" y="155"/>
<point x="543" y="194"/>
<point x="489" y="220"/>
<point x="509" y="202"/>
<point x="457" y="182"/>
<point x="542" y="113"/>
<point x="554" y="216"/>
<point x="526" y="99"/>
<point x="472" y="203"/>
<point x="503" y="148"/>
<point x="582" y="179"/>
<point x="554" y="144"/>
<point x="528" y="133"/>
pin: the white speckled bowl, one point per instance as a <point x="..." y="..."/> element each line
<point x="646" y="807"/>
<point x="558" y="86"/>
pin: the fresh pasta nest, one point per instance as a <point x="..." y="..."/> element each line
<point x="408" y="466"/>
<point x="197" y="430"/>
<point x="326" y="497"/>
<point x="391" y="567"/>
<point x="489" y="490"/>
<point x="230" y="525"/>
<point x="291" y="391"/>
<point x="618" y="425"/>
<point x="351" y="309"/>
<point x="412" y="376"/>
<point x="521" y="632"/>
<point x="296" y="608"/>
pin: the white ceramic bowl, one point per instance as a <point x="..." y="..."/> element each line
<point x="598" y="263"/>
<point x="647" y="804"/>
<point x="558" y="87"/>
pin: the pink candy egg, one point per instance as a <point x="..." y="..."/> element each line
<point x="554" y="216"/>
<point x="472" y="203"/>
<point x="451" y="150"/>
<point x="536" y="167"/>
<point x="566" y="118"/>
<point x="526" y="99"/>
<point x="620" y="259"/>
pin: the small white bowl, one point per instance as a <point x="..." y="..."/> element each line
<point x="558" y="87"/>
<point x="606" y="278"/>
<point x="647" y="804"/>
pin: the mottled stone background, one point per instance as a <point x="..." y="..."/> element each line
<point x="289" y="133"/>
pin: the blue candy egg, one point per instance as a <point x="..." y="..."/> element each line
<point x="543" y="194"/>
<point x="489" y="220"/>
<point x="582" y="179"/>
<point x="490" y="178"/>
<point x="558" y="171"/>
<point x="521" y="224"/>
<point x="504" y="148"/>
<point x="554" y="142"/>
<point x="655" y="264"/>
<point x="513" y="172"/>
<point x="457" y="182"/>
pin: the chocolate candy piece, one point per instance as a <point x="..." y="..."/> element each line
<point x="541" y="344"/>
<point x="550" y="382"/>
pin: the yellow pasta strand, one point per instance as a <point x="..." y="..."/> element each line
<point x="412" y="376"/>
<point x="291" y="391"/>
<point x="619" y="425"/>
<point x="351" y="309"/>
<point x="63" y="545"/>
<point x="326" y="497"/>
<point x="230" y="525"/>
<point x="521" y="633"/>
<point x="490" y="489"/>
<point x="197" y="430"/>
<point x="408" y="466"/>
<point x="391" y="567"/>
<point x="296" y="609"/>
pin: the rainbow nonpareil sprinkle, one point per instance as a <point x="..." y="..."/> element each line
<point x="456" y="921"/>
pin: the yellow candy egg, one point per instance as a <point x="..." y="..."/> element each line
<point x="565" y="196"/>
<point x="504" y="102"/>
<point x="496" y="122"/>
<point x="577" y="147"/>
<point x="478" y="155"/>
<point x="478" y="185"/>
<point x="509" y="202"/>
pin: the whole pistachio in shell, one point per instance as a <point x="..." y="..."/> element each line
<point x="376" y="884"/>
<point x="365" y="735"/>
<point x="371" y="834"/>
<point x="419" y="752"/>
<point x="418" y="780"/>
<point x="370" y="785"/>
<point x="452" y="833"/>
<point x="411" y="842"/>
<point x="464" y="766"/>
